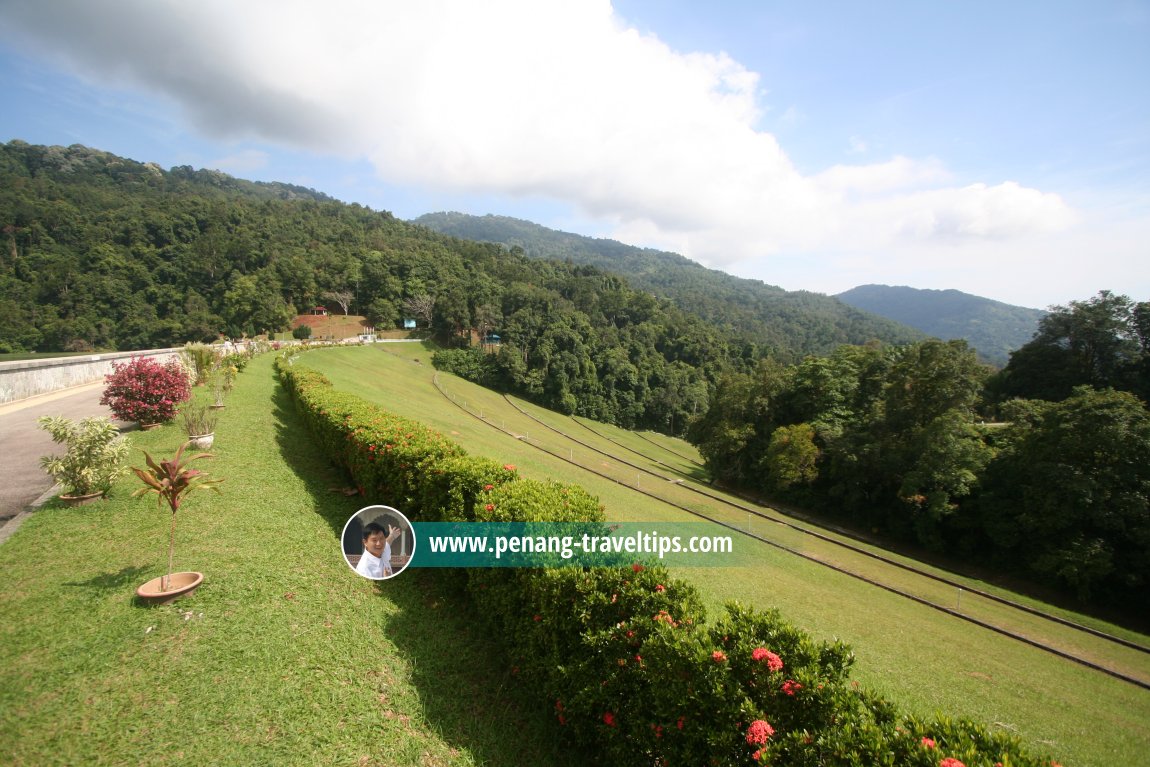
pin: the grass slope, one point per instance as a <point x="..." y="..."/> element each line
<point x="923" y="659"/>
<point x="283" y="656"/>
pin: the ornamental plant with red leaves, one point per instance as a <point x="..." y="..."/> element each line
<point x="145" y="391"/>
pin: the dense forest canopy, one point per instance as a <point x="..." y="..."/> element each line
<point x="1042" y="468"/>
<point x="105" y="252"/>
<point x="788" y="323"/>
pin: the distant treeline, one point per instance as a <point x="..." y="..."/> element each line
<point x="1041" y="469"/>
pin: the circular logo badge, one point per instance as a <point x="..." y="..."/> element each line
<point x="378" y="542"/>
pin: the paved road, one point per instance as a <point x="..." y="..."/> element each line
<point x="23" y="442"/>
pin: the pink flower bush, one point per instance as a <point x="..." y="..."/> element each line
<point x="145" y="391"/>
<point x="759" y="731"/>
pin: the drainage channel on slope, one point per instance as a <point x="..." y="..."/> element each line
<point x="760" y="510"/>
<point x="838" y="568"/>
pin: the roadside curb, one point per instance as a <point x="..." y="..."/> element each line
<point x="13" y="524"/>
<point x="36" y="399"/>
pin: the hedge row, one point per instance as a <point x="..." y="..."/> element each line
<point x="625" y="657"/>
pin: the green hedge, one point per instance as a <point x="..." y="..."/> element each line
<point x="625" y="657"/>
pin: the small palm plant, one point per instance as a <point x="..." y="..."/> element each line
<point x="172" y="481"/>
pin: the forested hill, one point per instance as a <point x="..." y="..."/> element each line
<point x="993" y="328"/>
<point x="788" y="322"/>
<point x="102" y="252"/>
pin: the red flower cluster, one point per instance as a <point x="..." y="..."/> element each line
<point x="790" y="687"/>
<point x="609" y="719"/>
<point x="758" y="732"/>
<point x="773" y="661"/>
<point x="928" y="742"/>
<point x="718" y="656"/>
<point x="950" y="761"/>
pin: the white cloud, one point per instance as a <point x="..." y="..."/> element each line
<point x="549" y="98"/>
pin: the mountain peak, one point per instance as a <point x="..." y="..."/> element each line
<point x="993" y="328"/>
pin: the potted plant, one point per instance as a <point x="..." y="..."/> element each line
<point x="223" y="376"/>
<point x="200" y="424"/>
<point x="145" y="391"/>
<point x="93" y="460"/>
<point x="172" y="481"/>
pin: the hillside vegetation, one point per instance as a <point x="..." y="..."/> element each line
<point x="993" y="328"/>
<point x="789" y="323"/>
<point x="1041" y="469"/>
<point x="98" y="251"/>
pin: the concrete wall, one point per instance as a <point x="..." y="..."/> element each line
<point x="27" y="378"/>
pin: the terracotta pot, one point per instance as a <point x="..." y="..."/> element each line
<point x="202" y="441"/>
<point x="180" y="585"/>
<point x="80" y="500"/>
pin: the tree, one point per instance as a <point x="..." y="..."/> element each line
<point x="421" y="306"/>
<point x="383" y="313"/>
<point x="1100" y="342"/>
<point x="341" y="297"/>
<point x="253" y="304"/>
<point x="1069" y="495"/>
<point x="792" y="456"/>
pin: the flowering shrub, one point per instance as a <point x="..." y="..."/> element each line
<point x="624" y="656"/>
<point x="145" y="390"/>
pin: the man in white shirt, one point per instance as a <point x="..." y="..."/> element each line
<point x="375" y="562"/>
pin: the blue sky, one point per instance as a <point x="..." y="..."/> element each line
<point x="998" y="148"/>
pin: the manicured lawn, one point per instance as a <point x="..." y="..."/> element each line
<point x="283" y="656"/>
<point x="918" y="657"/>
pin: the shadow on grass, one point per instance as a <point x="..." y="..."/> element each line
<point x="127" y="576"/>
<point x="467" y="686"/>
<point x="468" y="694"/>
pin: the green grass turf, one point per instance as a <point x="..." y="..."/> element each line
<point x="918" y="657"/>
<point x="283" y="656"/>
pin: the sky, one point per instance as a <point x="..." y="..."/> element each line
<point x="998" y="148"/>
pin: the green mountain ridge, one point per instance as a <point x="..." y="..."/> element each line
<point x="789" y="323"/>
<point x="993" y="328"/>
